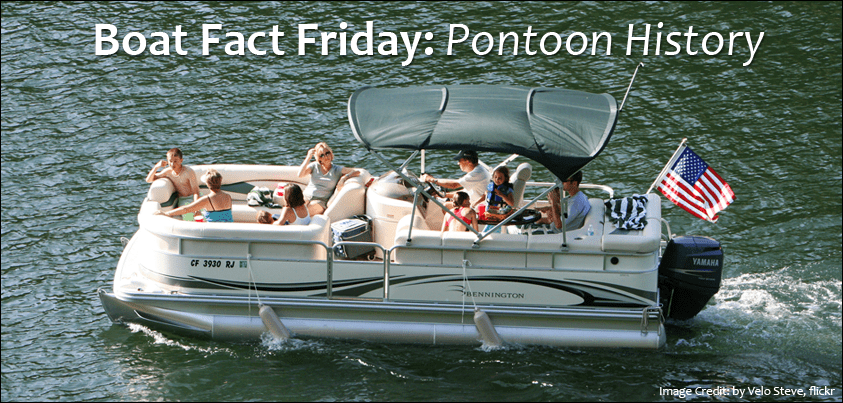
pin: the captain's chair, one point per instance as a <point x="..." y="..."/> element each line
<point x="519" y="182"/>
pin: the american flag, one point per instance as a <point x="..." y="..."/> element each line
<point x="694" y="186"/>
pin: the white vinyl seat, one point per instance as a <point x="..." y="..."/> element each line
<point x="350" y="199"/>
<point x="519" y="182"/>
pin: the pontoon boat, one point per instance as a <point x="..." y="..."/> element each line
<point x="594" y="286"/>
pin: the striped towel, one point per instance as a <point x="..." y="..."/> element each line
<point x="628" y="213"/>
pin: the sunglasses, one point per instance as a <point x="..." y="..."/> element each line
<point x="324" y="154"/>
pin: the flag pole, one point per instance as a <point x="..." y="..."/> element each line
<point x="667" y="166"/>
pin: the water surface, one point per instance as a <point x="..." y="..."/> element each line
<point x="80" y="132"/>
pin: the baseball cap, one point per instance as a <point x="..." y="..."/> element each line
<point x="466" y="154"/>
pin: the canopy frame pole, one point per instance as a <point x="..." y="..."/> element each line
<point x="420" y="188"/>
<point x="423" y="157"/>
<point x="412" y="218"/>
<point x="404" y="165"/>
<point x="563" y="204"/>
<point x="506" y="161"/>
<point x="668" y="165"/>
<point x="630" y="85"/>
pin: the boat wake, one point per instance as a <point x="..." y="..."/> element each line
<point x="487" y="348"/>
<point x="160" y="338"/>
<point x="775" y="296"/>
<point x="769" y="309"/>
<point x="273" y="344"/>
<point x="268" y="342"/>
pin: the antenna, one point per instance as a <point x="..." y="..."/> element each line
<point x="630" y="85"/>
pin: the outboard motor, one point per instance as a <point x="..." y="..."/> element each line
<point x="689" y="275"/>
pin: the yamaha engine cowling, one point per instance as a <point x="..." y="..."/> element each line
<point x="689" y="275"/>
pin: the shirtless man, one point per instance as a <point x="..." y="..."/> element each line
<point x="182" y="177"/>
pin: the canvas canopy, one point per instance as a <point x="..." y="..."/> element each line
<point x="561" y="129"/>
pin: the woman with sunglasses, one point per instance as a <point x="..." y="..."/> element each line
<point x="324" y="177"/>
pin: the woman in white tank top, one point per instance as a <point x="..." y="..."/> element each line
<point x="296" y="211"/>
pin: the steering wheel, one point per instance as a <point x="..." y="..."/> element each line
<point x="414" y="180"/>
<point x="434" y="190"/>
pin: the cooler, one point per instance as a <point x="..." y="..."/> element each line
<point x="355" y="229"/>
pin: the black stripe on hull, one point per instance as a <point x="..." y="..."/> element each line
<point x="587" y="293"/>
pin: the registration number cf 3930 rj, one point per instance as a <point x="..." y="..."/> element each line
<point x="228" y="264"/>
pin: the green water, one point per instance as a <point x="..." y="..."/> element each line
<point x="80" y="132"/>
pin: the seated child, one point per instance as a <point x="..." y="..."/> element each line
<point x="499" y="198"/>
<point x="264" y="217"/>
<point x="463" y="211"/>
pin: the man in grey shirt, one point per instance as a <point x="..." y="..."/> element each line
<point x="578" y="205"/>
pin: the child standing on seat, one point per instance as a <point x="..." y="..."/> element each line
<point x="462" y="210"/>
<point x="499" y="198"/>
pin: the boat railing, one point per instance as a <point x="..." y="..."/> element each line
<point x="666" y="224"/>
<point x="666" y="237"/>
<point x="329" y="257"/>
<point x="329" y="252"/>
<point x="552" y="252"/>
<point x="592" y="186"/>
<point x="387" y="253"/>
<point x="386" y="260"/>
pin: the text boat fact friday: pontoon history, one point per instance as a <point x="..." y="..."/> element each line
<point x="646" y="40"/>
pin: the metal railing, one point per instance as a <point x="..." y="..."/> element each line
<point x="387" y="254"/>
<point x="386" y="260"/>
<point x="552" y="252"/>
<point x="592" y="186"/>
<point x="667" y="226"/>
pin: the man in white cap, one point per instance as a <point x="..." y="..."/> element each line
<point x="474" y="182"/>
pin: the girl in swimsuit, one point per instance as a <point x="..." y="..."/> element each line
<point x="296" y="211"/>
<point x="463" y="211"/>
<point x="217" y="204"/>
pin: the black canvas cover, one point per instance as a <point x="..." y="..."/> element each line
<point x="560" y="129"/>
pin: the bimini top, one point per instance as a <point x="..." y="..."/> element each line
<point x="560" y="129"/>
